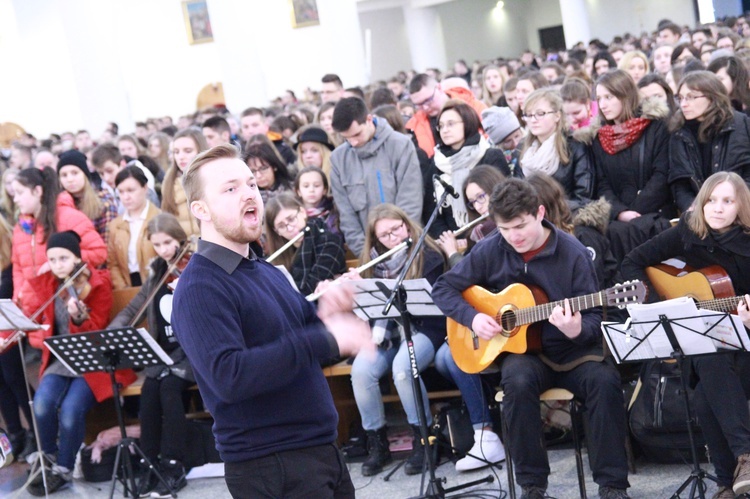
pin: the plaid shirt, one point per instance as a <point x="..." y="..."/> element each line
<point x="320" y="257"/>
<point x="109" y="213"/>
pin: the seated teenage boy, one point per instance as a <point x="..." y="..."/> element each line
<point x="529" y="250"/>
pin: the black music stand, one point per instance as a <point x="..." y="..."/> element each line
<point x="701" y="332"/>
<point x="107" y="351"/>
<point x="12" y="318"/>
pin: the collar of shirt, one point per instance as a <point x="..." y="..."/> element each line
<point x="126" y="216"/>
<point x="221" y="256"/>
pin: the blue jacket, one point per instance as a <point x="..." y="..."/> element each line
<point x="563" y="269"/>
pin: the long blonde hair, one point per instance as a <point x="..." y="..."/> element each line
<point x="561" y="142"/>
<point x="697" y="220"/>
<point x="168" y="203"/>
<point x="392" y="212"/>
<point x="88" y="201"/>
<point x="6" y="242"/>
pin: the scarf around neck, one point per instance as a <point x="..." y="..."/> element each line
<point x="391" y="267"/>
<point x="541" y="157"/>
<point x="618" y="137"/>
<point x="454" y="170"/>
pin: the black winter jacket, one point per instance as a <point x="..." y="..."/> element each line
<point x="578" y="176"/>
<point x="730" y="250"/>
<point x="636" y="178"/>
<point x="730" y="151"/>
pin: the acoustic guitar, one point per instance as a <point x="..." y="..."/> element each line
<point x="517" y="308"/>
<point x="710" y="287"/>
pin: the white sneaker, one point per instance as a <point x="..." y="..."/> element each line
<point x="487" y="446"/>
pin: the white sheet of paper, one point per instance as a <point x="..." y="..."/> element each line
<point x="623" y="342"/>
<point x="686" y="324"/>
<point x="12" y="318"/>
<point x="724" y="329"/>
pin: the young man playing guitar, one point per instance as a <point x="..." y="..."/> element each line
<point x="529" y="250"/>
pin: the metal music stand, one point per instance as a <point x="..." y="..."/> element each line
<point x="12" y="318"/>
<point x="676" y="329"/>
<point x="107" y="351"/>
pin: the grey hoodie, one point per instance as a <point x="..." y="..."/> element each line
<point x="385" y="170"/>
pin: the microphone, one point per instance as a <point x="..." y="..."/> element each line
<point x="448" y="187"/>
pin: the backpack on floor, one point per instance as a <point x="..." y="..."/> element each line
<point x="657" y="417"/>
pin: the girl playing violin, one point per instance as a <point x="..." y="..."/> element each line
<point x="63" y="398"/>
<point x="163" y="423"/>
<point x="318" y="255"/>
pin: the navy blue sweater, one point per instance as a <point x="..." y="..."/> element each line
<point x="255" y="345"/>
<point x="563" y="269"/>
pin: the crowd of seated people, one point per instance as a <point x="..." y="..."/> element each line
<point x="598" y="150"/>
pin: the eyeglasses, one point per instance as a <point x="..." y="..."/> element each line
<point x="447" y="124"/>
<point x="479" y="200"/>
<point x="287" y="222"/>
<point x="537" y="115"/>
<point x="262" y="169"/>
<point x="687" y="98"/>
<point x="391" y="233"/>
<point x="428" y="101"/>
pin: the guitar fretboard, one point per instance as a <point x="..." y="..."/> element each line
<point x="542" y="312"/>
<point x="720" y="304"/>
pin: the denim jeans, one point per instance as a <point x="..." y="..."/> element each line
<point x="368" y="369"/>
<point x="73" y="398"/>
<point x="470" y="386"/>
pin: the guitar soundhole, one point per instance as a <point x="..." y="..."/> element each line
<point x="508" y="322"/>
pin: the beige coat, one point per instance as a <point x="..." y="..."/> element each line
<point x="119" y="239"/>
<point x="188" y="222"/>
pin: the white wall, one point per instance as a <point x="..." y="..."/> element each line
<point x="82" y="63"/>
<point x="609" y="18"/>
<point x="390" y="46"/>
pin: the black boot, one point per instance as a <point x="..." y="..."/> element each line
<point x="173" y="472"/>
<point x="378" y="452"/>
<point x="17" y="442"/>
<point x="415" y="461"/>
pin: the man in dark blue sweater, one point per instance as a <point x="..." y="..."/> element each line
<point x="256" y="345"/>
<point x="529" y="250"/>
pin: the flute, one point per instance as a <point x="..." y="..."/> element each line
<point x="287" y="245"/>
<point x="405" y="244"/>
<point x="471" y="224"/>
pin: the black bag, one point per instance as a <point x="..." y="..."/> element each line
<point x="201" y="448"/>
<point x="657" y="416"/>
<point x="453" y="429"/>
<point x="101" y="471"/>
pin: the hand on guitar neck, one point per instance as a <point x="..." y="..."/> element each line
<point x="743" y="310"/>
<point x="567" y="321"/>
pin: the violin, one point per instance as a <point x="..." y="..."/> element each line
<point x="78" y="287"/>
<point x="80" y="275"/>
<point x="173" y="272"/>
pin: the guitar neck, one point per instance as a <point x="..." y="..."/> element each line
<point x="720" y="304"/>
<point x="542" y="312"/>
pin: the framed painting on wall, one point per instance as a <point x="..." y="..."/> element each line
<point x="197" y="22"/>
<point x="304" y="13"/>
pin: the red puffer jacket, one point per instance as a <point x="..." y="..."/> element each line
<point x="99" y="303"/>
<point x="30" y="252"/>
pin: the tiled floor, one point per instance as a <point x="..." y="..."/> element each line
<point x="650" y="482"/>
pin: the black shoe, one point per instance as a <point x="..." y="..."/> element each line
<point x="378" y="452"/>
<point x="36" y="472"/>
<point x="173" y="472"/>
<point x="415" y="462"/>
<point x="29" y="446"/>
<point x="17" y="443"/>
<point x="533" y="493"/>
<point x="56" y="480"/>
<point x="613" y="493"/>
<point x="148" y="480"/>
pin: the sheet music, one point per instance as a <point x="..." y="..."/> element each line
<point x="146" y="336"/>
<point x="724" y="329"/>
<point x="686" y="323"/>
<point x="12" y="318"/>
<point x="625" y="343"/>
<point x="369" y="300"/>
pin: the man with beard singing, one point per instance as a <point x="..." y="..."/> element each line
<point x="256" y="344"/>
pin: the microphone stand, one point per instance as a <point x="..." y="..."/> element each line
<point x="397" y="296"/>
